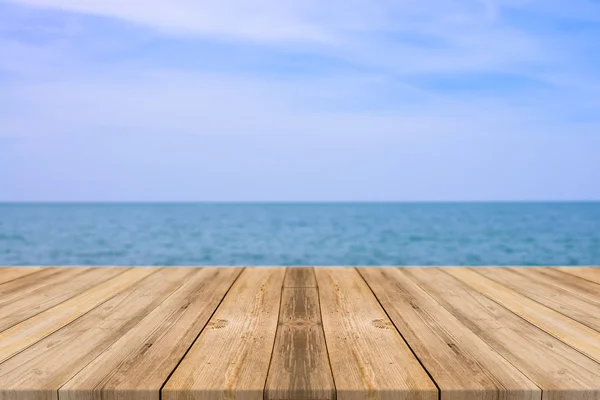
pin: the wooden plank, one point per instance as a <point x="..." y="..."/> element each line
<point x="230" y="359"/>
<point x="11" y="273"/>
<point x="592" y="274"/>
<point x="38" y="372"/>
<point x="559" y="370"/>
<point x="369" y="358"/>
<point x="563" y="328"/>
<point x="21" y="287"/>
<point x="539" y="288"/>
<point x="30" y="331"/>
<point x="463" y="366"/>
<point x="76" y="281"/>
<point x="300" y="366"/>
<point x="143" y="358"/>
<point x="299" y="277"/>
<point x="577" y="286"/>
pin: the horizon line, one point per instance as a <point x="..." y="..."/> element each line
<point x="233" y="202"/>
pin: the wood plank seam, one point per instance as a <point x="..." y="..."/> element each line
<point x="110" y="388"/>
<point x="581" y="272"/>
<point x="36" y="374"/>
<point x="325" y="337"/>
<point x="98" y="282"/>
<point x="283" y="283"/>
<point x="160" y="392"/>
<point x="564" y="354"/>
<point x="32" y="283"/>
<point x="76" y="318"/>
<point x="564" y="271"/>
<point x="530" y="322"/>
<point x="17" y="274"/>
<point x="401" y="335"/>
<point x="575" y="285"/>
<point x="325" y="340"/>
<point x="18" y="288"/>
<point x="549" y="389"/>
<point x="525" y="293"/>
<point x="25" y="348"/>
<point x="299" y="366"/>
<point x="231" y="359"/>
<point x="368" y="356"/>
<point x="449" y="349"/>
<point x="500" y="353"/>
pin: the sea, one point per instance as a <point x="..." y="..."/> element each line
<point x="378" y="234"/>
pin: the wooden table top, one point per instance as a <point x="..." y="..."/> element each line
<point x="185" y="333"/>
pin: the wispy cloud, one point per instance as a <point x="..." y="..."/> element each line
<point x="369" y="74"/>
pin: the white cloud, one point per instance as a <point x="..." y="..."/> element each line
<point x="253" y="20"/>
<point x="393" y="40"/>
<point x="74" y="112"/>
<point x="181" y="103"/>
<point x="434" y="36"/>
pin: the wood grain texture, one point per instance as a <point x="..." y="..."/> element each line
<point x="299" y="333"/>
<point x="559" y="370"/>
<point x="38" y="372"/>
<point x="369" y="358"/>
<point x="300" y="366"/>
<point x="463" y="366"/>
<point x="591" y="274"/>
<point x="299" y="277"/>
<point x="56" y="291"/>
<point x="230" y="359"/>
<point x="542" y="289"/>
<point x="11" y="273"/>
<point x="554" y="276"/>
<point x="30" y="331"/>
<point x="139" y="363"/>
<point x="571" y="332"/>
<point x="21" y="287"/>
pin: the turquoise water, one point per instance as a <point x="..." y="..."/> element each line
<point x="301" y="234"/>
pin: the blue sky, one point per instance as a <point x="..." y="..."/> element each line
<point x="362" y="100"/>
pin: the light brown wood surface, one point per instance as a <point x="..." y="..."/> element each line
<point x="30" y="331"/>
<point x="541" y="288"/>
<point x="300" y="365"/>
<point x="559" y="370"/>
<point x="230" y="359"/>
<point x="11" y="273"/>
<point x="50" y="363"/>
<point x="591" y="274"/>
<point x="369" y="358"/>
<point x="463" y="365"/>
<point x="569" y="331"/>
<point x="299" y="277"/>
<point x="57" y="291"/>
<point x="183" y="333"/>
<point x="555" y="277"/>
<point x="23" y="286"/>
<point x="141" y="360"/>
